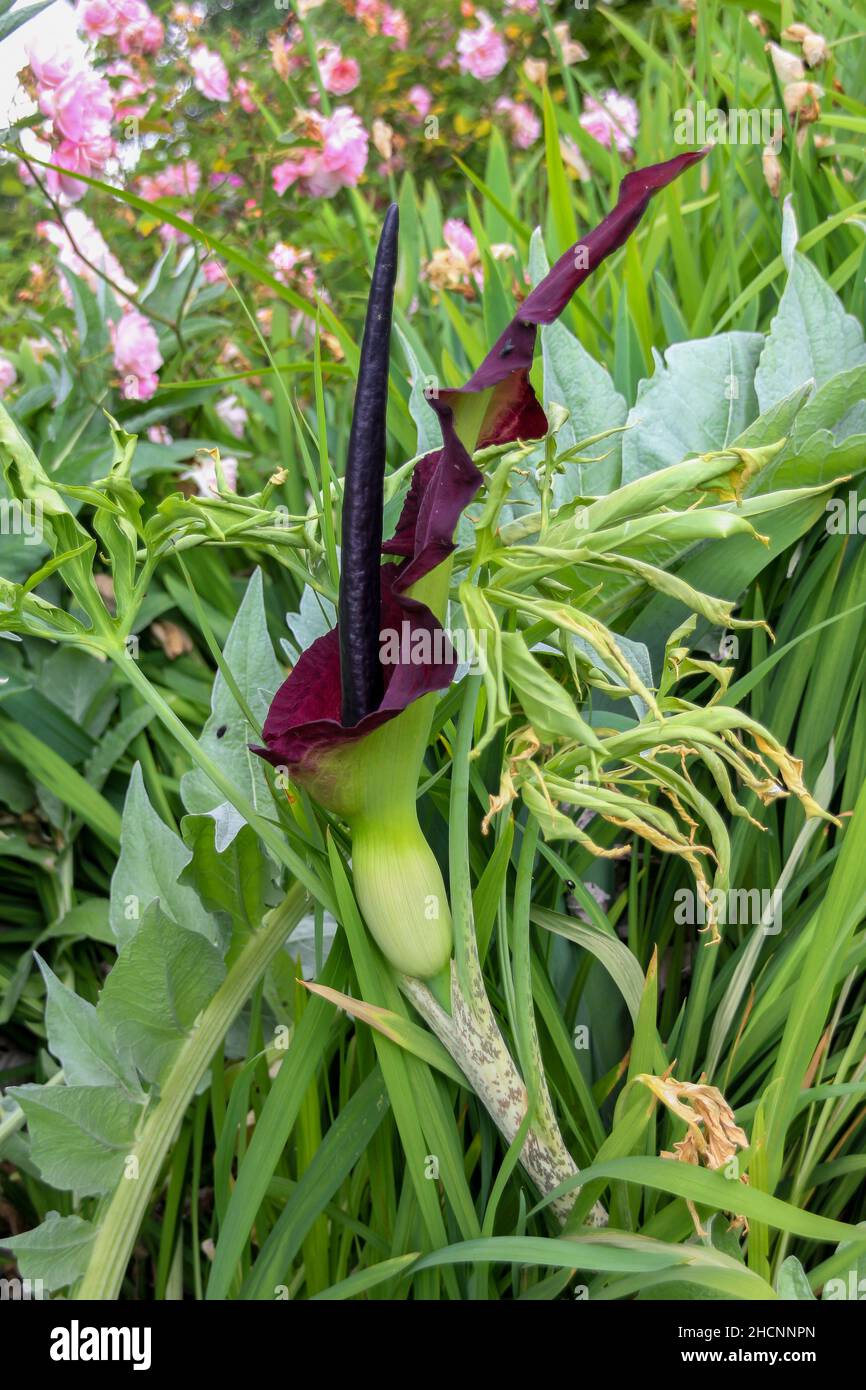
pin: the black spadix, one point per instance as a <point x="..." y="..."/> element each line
<point x="361" y="681"/>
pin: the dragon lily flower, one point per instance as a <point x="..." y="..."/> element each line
<point x="347" y="727"/>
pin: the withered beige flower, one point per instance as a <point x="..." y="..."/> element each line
<point x="803" y="101"/>
<point x="713" y="1135"/>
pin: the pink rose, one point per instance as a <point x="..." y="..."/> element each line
<point x="209" y="74"/>
<point x="233" y="415"/>
<point x="82" y="114"/>
<point x="459" y="238"/>
<point x="339" y="75"/>
<point x="285" y="259"/>
<point x="51" y="61"/>
<point x="204" y="474"/>
<point x="136" y="355"/>
<point x="73" y="158"/>
<point x="212" y="271"/>
<point x="525" y="124"/>
<point x="421" y="99"/>
<point x="8" y="375"/>
<point x="338" y="162"/>
<point x="395" y="26"/>
<point x="615" y="119"/>
<point x="242" y="92"/>
<point x="181" y="180"/>
<point x="98" y="18"/>
<point x="482" y="52"/>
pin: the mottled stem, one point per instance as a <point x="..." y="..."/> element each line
<point x="472" y="1037"/>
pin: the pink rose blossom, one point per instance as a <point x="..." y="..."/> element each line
<point x="482" y="51"/>
<point x="209" y="74"/>
<point x="285" y="259"/>
<point x="8" y="375"/>
<point x="213" y="272"/>
<point x="395" y="26"/>
<point x="338" y="162"/>
<point x="136" y="355"/>
<point x="90" y="242"/>
<point x="140" y="29"/>
<point x="339" y="75"/>
<point x="98" y="18"/>
<point x="73" y="158"/>
<point x="204" y="475"/>
<point x="525" y="124"/>
<point x="369" y="11"/>
<point x="51" y="61"/>
<point x="233" y="415"/>
<point x="615" y="119"/>
<point x="459" y="238"/>
<point x="242" y="93"/>
<point x="421" y="99"/>
<point x="82" y="114"/>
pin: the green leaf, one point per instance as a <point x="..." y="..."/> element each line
<point x="235" y="881"/>
<point x="811" y="337"/>
<point x="792" y="1283"/>
<point x="226" y="736"/>
<point x="151" y="861"/>
<point x="80" y="1136"/>
<point x="54" y="1253"/>
<point x="547" y="705"/>
<point x="340" y="1150"/>
<point x="80" y="1041"/>
<point x="63" y="781"/>
<point x="164" y="977"/>
<point x="365" y="1279"/>
<point x="699" y="400"/>
<point x="426" y="421"/>
<point x="574" y="379"/>
<point x="10" y="22"/>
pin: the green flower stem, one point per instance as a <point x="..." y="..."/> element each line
<point x="267" y="832"/>
<point x="123" y="1211"/>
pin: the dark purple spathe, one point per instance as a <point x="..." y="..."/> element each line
<point x="305" y="718"/>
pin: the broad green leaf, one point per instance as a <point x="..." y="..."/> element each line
<point x="426" y="421"/>
<point x="80" y="1136"/>
<point x="164" y="977"/>
<point x="226" y="736"/>
<point x="811" y="337"/>
<point x="574" y="379"/>
<point x="78" y="1038"/>
<point x="235" y="881"/>
<point x="699" y="400"/>
<point x="54" y="1253"/>
<point x="151" y="861"/>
